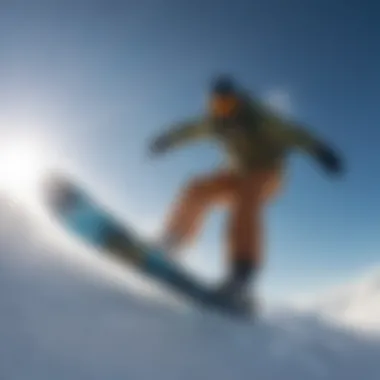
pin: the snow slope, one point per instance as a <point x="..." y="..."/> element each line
<point x="59" y="321"/>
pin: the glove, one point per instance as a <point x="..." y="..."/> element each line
<point x="159" y="145"/>
<point x="329" y="159"/>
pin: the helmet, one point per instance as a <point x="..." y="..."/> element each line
<point x="224" y="97"/>
<point x="223" y="85"/>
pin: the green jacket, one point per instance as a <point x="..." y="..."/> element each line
<point x="257" y="138"/>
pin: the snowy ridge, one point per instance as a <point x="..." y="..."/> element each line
<point x="59" y="322"/>
<point x="356" y="304"/>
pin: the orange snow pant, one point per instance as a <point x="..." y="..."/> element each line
<point x="245" y="195"/>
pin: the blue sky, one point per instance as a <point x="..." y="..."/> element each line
<point x="96" y="81"/>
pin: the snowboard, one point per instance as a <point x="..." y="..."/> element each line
<point x="80" y="214"/>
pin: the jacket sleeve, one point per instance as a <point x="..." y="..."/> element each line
<point x="294" y="136"/>
<point x="180" y="134"/>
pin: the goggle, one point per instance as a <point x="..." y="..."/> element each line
<point x="223" y="105"/>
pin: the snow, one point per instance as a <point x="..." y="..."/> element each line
<point x="64" y="321"/>
<point x="356" y="304"/>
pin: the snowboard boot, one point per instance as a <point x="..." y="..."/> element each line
<point x="237" y="296"/>
<point x="236" y="288"/>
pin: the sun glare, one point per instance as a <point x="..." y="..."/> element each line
<point x="21" y="166"/>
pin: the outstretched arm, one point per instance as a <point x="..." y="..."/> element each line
<point x="298" y="137"/>
<point x="180" y="134"/>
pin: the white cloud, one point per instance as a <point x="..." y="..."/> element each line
<point x="279" y="100"/>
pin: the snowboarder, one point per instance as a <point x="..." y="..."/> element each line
<point x="257" y="141"/>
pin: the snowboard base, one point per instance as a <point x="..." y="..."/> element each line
<point x="81" y="215"/>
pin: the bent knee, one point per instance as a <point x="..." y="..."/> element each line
<point x="209" y="189"/>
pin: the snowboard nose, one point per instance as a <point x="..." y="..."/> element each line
<point x="60" y="195"/>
